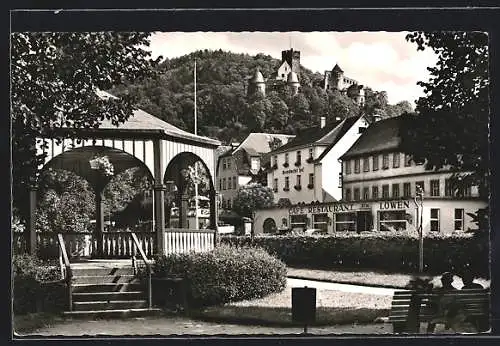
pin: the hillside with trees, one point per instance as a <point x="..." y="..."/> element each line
<point x="226" y="112"/>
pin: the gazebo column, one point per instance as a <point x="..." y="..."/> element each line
<point x="183" y="209"/>
<point x="159" y="197"/>
<point x="31" y="234"/>
<point x="214" y="217"/>
<point x="99" y="221"/>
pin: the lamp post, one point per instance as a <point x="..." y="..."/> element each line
<point x="419" y="201"/>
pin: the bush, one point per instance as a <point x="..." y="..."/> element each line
<point x="385" y="251"/>
<point x="225" y="274"/>
<point x="36" y="284"/>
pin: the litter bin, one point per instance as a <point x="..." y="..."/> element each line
<point x="304" y="305"/>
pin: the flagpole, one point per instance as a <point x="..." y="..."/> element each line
<point x="197" y="225"/>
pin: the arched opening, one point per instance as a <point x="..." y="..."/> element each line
<point x="269" y="225"/>
<point x="190" y="193"/>
<point x="94" y="190"/>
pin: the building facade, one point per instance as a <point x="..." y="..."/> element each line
<point x="307" y="169"/>
<point x="375" y="170"/>
<point x="379" y="187"/>
<point x="240" y="165"/>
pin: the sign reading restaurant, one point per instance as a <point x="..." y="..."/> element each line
<point x="347" y="207"/>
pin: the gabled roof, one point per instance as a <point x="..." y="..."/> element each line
<point x="143" y="121"/>
<point x="312" y="136"/>
<point x="337" y="68"/>
<point x="381" y="136"/>
<point x="337" y="134"/>
<point x="258" y="143"/>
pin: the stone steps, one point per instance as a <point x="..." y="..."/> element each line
<point x="103" y="289"/>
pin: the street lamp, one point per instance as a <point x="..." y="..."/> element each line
<point x="419" y="201"/>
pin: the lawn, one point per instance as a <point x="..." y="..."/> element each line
<point x="333" y="307"/>
<point x="368" y="278"/>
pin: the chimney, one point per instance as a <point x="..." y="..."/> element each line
<point x="322" y="122"/>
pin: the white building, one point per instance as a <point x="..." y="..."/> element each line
<point x="307" y="168"/>
<point x="237" y="167"/>
<point x="376" y="172"/>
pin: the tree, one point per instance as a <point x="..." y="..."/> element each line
<point x="54" y="78"/>
<point x="452" y="126"/>
<point x="251" y="197"/>
<point x="66" y="202"/>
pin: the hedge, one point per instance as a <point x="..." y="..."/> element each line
<point x="226" y="274"/>
<point x="384" y="251"/>
<point x="36" y="285"/>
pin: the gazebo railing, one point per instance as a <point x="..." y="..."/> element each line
<point x="181" y="240"/>
<point x="119" y="244"/>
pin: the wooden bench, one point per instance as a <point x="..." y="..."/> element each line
<point x="474" y="303"/>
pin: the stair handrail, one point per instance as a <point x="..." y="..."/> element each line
<point x="148" y="267"/>
<point x="65" y="268"/>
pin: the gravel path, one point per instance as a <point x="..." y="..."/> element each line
<point x="340" y="287"/>
<point x="165" y="326"/>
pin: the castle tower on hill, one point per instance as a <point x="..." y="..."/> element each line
<point x="336" y="80"/>
<point x="292" y="57"/>
<point x="287" y="75"/>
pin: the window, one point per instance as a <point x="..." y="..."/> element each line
<point x="385" y="191"/>
<point x="298" y="181"/>
<point x="320" y="221"/>
<point x="348" y="167"/>
<point x="223" y="203"/>
<point x="366" y="193"/>
<point x="228" y="163"/>
<point x="311" y="180"/>
<point x="234" y="183"/>
<point x="286" y="160"/>
<point x="298" y="222"/>
<point x="255" y="163"/>
<point x="434" y="220"/>
<point x="407" y="160"/>
<point x="356" y="193"/>
<point x="220" y="184"/>
<point x="375" y="192"/>
<point x="459" y="220"/>
<point x="223" y="163"/>
<point x="406" y="189"/>
<point x="375" y="162"/>
<point x="311" y="156"/>
<point x="419" y="185"/>
<point x="223" y="183"/>
<point x="347" y="194"/>
<point x="345" y="222"/>
<point x="395" y="160"/>
<point x="275" y="185"/>
<point x="299" y="158"/>
<point x="287" y="184"/>
<point x="395" y="190"/>
<point x="229" y="203"/>
<point x="361" y="129"/>
<point x="385" y="161"/>
<point x="340" y="180"/>
<point x="366" y="164"/>
<point x="434" y="188"/>
<point x="448" y="190"/>
<point x="392" y="220"/>
<point x="275" y="160"/>
<point x="356" y="166"/>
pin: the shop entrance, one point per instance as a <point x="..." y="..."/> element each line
<point x="364" y="221"/>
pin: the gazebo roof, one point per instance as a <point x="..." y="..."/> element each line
<point x="141" y="122"/>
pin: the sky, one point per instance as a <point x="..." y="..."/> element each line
<point x="383" y="61"/>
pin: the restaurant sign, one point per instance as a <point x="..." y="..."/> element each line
<point x="322" y="209"/>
